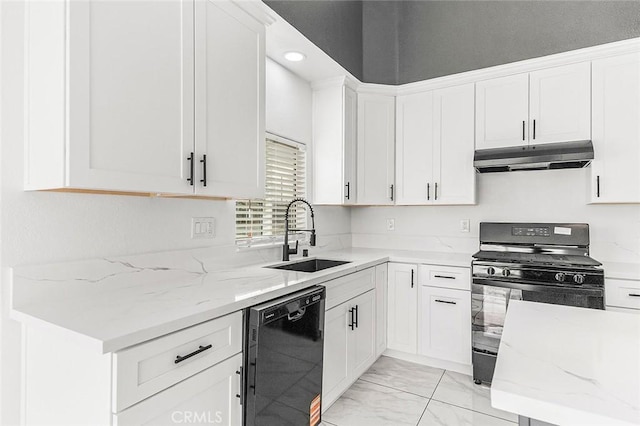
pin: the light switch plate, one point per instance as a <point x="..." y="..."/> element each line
<point x="203" y="227"/>
<point x="391" y="224"/>
<point x="464" y="225"/>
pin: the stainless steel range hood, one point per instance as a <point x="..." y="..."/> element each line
<point x="561" y="155"/>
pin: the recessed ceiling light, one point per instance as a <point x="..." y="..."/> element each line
<point x="294" y="56"/>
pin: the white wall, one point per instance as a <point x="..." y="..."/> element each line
<point x="542" y="196"/>
<point x="41" y="227"/>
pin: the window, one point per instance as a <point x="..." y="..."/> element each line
<point x="262" y="221"/>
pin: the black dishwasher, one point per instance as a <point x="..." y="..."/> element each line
<point x="283" y="360"/>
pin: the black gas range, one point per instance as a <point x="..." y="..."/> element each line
<point x="538" y="262"/>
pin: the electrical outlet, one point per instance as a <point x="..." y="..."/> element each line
<point x="203" y="227"/>
<point x="391" y="224"/>
<point x="464" y="225"/>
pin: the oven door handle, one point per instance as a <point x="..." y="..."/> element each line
<point x="538" y="287"/>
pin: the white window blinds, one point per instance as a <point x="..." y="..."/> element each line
<point x="262" y="220"/>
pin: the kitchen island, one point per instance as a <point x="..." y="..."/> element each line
<point x="568" y="366"/>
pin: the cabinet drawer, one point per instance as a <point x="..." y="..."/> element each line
<point x="622" y="293"/>
<point x="445" y="277"/>
<point x="344" y="288"/>
<point x="148" y="368"/>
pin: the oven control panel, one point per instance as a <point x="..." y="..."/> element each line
<point x="519" y="231"/>
<point x="528" y="274"/>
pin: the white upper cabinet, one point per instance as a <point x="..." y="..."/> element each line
<point x="230" y="75"/>
<point x="615" y="171"/>
<point x="560" y="104"/>
<point x="502" y="111"/>
<point x="454" y="178"/>
<point x="375" y="149"/>
<point x="550" y="105"/>
<point x="334" y="144"/>
<point x="116" y="105"/>
<point x="125" y="117"/>
<point x="414" y="148"/>
<point x="435" y="146"/>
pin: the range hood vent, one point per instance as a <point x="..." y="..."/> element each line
<point x="561" y="155"/>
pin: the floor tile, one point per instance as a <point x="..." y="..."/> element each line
<point x="459" y="389"/>
<point x="404" y="375"/>
<point x="441" y="414"/>
<point x="369" y="404"/>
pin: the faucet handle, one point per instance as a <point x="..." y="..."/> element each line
<point x="312" y="239"/>
<point x="295" y="250"/>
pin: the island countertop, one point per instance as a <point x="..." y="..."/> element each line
<point x="569" y="366"/>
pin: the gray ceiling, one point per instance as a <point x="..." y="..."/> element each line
<point x="396" y="42"/>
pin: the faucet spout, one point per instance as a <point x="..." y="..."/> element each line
<point x="286" y="251"/>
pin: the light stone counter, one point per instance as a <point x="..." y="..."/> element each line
<point x="119" y="302"/>
<point x="569" y="366"/>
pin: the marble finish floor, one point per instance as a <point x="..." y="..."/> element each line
<point x="396" y="392"/>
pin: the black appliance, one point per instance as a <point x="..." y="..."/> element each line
<point x="284" y="343"/>
<point x="537" y="262"/>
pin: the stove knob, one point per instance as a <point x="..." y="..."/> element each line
<point x="491" y="270"/>
<point x="560" y="276"/>
<point x="578" y="279"/>
<point x="506" y="272"/>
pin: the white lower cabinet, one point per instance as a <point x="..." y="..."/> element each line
<point x="381" y="308"/>
<point x="445" y="324"/>
<point x="349" y="344"/>
<point x="402" y="313"/>
<point x="209" y="397"/>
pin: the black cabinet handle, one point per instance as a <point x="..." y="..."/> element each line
<point x="347" y="196"/>
<point x="534" y="129"/>
<point x="436" y="192"/>
<point x="353" y="323"/>
<point x="196" y="352"/>
<point x="204" y="170"/>
<point x="356" y="309"/>
<point x="391" y="192"/>
<point x="523" y="124"/>
<point x="190" y="179"/>
<point x="412" y="278"/>
<point x="634" y="295"/>
<point x="598" y="186"/>
<point x="445" y="276"/>
<point x="241" y="394"/>
<point x="428" y="191"/>
<point x="448" y="302"/>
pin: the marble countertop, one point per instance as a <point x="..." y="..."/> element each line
<point x="117" y="302"/>
<point x="623" y="271"/>
<point x="569" y="366"/>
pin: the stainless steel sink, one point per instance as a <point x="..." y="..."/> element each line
<point x="311" y="265"/>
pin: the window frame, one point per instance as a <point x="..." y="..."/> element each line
<point x="274" y="240"/>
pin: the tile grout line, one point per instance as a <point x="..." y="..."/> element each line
<point x="431" y="397"/>
<point x="475" y="411"/>
<point x="396" y="389"/>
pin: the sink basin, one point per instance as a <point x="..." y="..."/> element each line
<point x="311" y="265"/>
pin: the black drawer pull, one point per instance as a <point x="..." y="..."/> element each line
<point x="634" y="295"/>
<point x="196" y="352"/>
<point x="190" y="179"/>
<point x="356" y="309"/>
<point x="445" y="276"/>
<point x="239" y="395"/>
<point x="412" y="278"/>
<point x="204" y="170"/>
<point x="353" y="321"/>
<point x="448" y="302"/>
<point x="348" y="190"/>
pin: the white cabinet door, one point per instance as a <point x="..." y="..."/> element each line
<point x="334" y="145"/>
<point x="381" y="308"/>
<point x="362" y="342"/>
<point x="615" y="172"/>
<point x="130" y="96"/>
<point x="375" y="149"/>
<point x="445" y="324"/>
<point x="454" y="177"/>
<point x="502" y="111"/>
<point x="560" y="108"/>
<point x="414" y="148"/>
<point x="402" y="308"/>
<point x="335" y="374"/>
<point x="229" y="101"/>
<point x="206" y="398"/>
